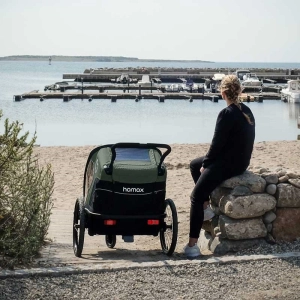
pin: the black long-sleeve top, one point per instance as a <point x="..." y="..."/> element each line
<point x="233" y="138"/>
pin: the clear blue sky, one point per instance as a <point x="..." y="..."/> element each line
<point x="216" y="30"/>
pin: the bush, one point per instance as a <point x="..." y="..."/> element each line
<point x="25" y="197"/>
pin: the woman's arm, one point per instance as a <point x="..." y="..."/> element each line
<point x="223" y="128"/>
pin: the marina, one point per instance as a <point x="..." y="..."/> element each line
<point x="133" y="115"/>
<point x="142" y="83"/>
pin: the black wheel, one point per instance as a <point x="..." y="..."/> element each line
<point x="110" y="240"/>
<point x="78" y="227"/>
<point x="168" y="234"/>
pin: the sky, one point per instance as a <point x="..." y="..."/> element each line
<point x="212" y="30"/>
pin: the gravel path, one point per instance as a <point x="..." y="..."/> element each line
<point x="266" y="279"/>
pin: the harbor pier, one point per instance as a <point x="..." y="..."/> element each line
<point x="137" y="96"/>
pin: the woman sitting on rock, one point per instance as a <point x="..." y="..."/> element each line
<point x="229" y="155"/>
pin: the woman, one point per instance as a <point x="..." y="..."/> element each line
<point x="229" y="155"/>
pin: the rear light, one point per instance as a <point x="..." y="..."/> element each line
<point x="153" y="222"/>
<point x="110" y="222"/>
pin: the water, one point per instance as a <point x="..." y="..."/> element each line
<point x="100" y="121"/>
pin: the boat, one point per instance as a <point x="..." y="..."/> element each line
<point x="190" y="86"/>
<point x="241" y="73"/>
<point x="124" y="79"/>
<point x="218" y="76"/>
<point x="145" y="81"/>
<point x="212" y="85"/>
<point x="292" y="92"/>
<point x="250" y="79"/>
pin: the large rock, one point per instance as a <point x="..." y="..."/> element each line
<point x="254" y="182"/>
<point x="247" y="206"/>
<point x="295" y="182"/>
<point x="218" y="193"/>
<point x="286" y="226"/>
<point x="272" y="179"/>
<point x="241" y="190"/>
<point x="220" y="246"/>
<point x="287" y="195"/>
<point x="242" y="229"/>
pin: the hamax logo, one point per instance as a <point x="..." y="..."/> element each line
<point x="133" y="190"/>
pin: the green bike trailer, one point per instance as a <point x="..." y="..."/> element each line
<point x="124" y="191"/>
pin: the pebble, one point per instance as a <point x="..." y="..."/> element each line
<point x="283" y="179"/>
<point x="271" y="189"/>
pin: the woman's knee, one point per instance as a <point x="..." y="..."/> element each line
<point x="196" y="163"/>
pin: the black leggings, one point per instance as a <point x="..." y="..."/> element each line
<point x="205" y="183"/>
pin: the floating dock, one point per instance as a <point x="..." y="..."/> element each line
<point x="161" y="97"/>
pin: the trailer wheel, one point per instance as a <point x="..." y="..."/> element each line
<point x="169" y="232"/>
<point x="78" y="227"/>
<point x="110" y="240"/>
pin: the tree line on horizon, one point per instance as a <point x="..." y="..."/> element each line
<point x="88" y="58"/>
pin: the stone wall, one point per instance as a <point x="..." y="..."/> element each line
<point x="253" y="208"/>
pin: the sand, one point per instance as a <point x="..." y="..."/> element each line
<point x="68" y="165"/>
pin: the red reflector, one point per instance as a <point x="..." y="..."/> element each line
<point x="110" y="222"/>
<point x="153" y="222"/>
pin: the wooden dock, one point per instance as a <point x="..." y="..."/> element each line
<point x="137" y="96"/>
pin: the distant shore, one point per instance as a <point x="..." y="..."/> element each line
<point x="90" y="59"/>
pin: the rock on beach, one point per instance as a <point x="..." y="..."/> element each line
<point x="250" y="206"/>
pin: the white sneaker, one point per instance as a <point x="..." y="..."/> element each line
<point x="191" y="252"/>
<point x="208" y="214"/>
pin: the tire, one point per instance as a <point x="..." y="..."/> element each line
<point x="168" y="234"/>
<point x="110" y="240"/>
<point x="78" y="227"/>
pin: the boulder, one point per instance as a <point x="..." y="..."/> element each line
<point x="217" y="194"/>
<point x="251" y="206"/>
<point x="295" y="182"/>
<point x="269" y="217"/>
<point x="286" y="227"/>
<point x="241" y="190"/>
<point x="254" y="182"/>
<point x="271" y="178"/>
<point x="242" y="229"/>
<point x="271" y="189"/>
<point x="221" y="246"/>
<point x="287" y="195"/>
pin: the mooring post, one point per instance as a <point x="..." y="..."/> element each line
<point x="66" y="98"/>
<point x="140" y="90"/>
<point x="82" y="87"/>
<point x="17" y="98"/>
<point x="128" y="85"/>
<point x="151" y="86"/>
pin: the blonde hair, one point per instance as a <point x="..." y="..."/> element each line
<point x="232" y="88"/>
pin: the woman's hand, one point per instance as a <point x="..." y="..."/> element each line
<point x="202" y="170"/>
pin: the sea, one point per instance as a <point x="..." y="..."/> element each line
<point x="80" y="122"/>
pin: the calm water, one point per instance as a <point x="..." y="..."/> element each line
<point x="100" y="121"/>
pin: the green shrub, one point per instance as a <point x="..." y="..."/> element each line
<point x="25" y="197"/>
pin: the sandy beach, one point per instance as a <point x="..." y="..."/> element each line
<point x="68" y="165"/>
